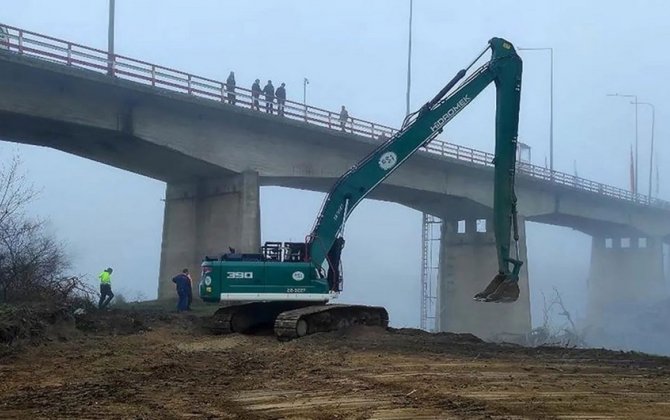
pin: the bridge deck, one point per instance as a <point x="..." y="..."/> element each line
<point x="27" y="43"/>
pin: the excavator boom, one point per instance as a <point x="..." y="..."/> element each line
<point x="504" y="69"/>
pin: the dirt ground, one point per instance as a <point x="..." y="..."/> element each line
<point x="161" y="366"/>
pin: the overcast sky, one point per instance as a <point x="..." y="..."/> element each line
<point x="354" y="53"/>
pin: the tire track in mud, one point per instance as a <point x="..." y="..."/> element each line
<point x="425" y="394"/>
<point x="370" y="364"/>
<point x="326" y="383"/>
<point x="508" y="391"/>
<point x="306" y="383"/>
<point x="341" y="400"/>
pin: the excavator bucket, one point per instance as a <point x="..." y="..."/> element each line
<point x="501" y="290"/>
<point x="504" y="288"/>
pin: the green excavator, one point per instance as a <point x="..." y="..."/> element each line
<point x="288" y="285"/>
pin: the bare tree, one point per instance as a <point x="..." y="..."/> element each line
<point x="15" y="191"/>
<point x="565" y="335"/>
<point x="570" y="336"/>
<point x="32" y="262"/>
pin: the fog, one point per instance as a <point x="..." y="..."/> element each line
<point x="355" y="54"/>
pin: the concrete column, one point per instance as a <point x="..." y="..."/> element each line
<point x="624" y="271"/>
<point x="206" y="217"/>
<point x="467" y="264"/>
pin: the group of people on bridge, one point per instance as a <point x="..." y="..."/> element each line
<point x="269" y="95"/>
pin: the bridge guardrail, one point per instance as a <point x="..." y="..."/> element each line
<point x="76" y="55"/>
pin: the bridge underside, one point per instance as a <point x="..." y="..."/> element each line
<point x="111" y="147"/>
<point x="427" y="202"/>
<point x="586" y="225"/>
<point x="438" y="205"/>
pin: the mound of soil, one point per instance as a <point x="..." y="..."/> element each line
<point x="464" y="338"/>
<point x="114" y="322"/>
<point x="124" y="322"/>
<point x="33" y="324"/>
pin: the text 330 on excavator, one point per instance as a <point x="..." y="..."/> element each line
<point x="289" y="284"/>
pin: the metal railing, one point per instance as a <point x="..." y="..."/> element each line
<point x="16" y="40"/>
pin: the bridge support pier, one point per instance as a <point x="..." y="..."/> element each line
<point x="206" y="217"/>
<point x="468" y="263"/>
<point x="624" y="271"/>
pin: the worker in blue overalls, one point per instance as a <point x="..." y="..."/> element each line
<point x="183" y="283"/>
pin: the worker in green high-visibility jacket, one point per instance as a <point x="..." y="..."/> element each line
<point x="106" y="294"/>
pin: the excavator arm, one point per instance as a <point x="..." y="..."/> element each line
<point x="504" y="69"/>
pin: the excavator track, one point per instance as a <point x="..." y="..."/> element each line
<point x="247" y="317"/>
<point x="322" y="318"/>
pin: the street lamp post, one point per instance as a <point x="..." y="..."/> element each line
<point x="305" y="82"/>
<point x="636" y="139"/>
<point x="110" y="39"/>
<point x="551" y="101"/>
<point x="409" y="59"/>
<point x="651" y="153"/>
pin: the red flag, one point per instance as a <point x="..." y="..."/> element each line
<point x="632" y="171"/>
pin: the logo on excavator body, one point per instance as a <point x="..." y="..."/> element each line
<point x="451" y="113"/>
<point x="298" y="276"/>
<point x="388" y="160"/>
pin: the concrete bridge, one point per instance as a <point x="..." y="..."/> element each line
<point x="214" y="155"/>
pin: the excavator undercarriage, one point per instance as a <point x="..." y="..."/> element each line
<point x="294" y="319"/>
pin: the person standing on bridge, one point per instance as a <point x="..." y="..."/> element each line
<point x="183" y="283"/>
<point x="269" y="92"/>
<point x="255" y="93"/>
<point x="281" y="99"/>
<point x="230" y="87"/>
<point x="344" y="116"/>
<point x="106" y="294"/>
